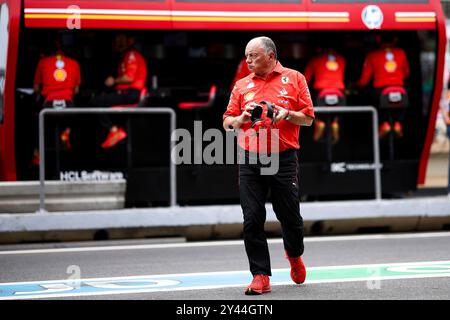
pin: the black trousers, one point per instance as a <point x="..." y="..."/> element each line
<point x="284" y="188"/>
<point x="107" y="100"/>
<point x="56" y="122"/>
<point x="342" y="101"/>
<point x="385" y="113"/>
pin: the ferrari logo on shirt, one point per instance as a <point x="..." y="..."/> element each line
<point x="60" y="75"/>
<point x="249" y="96"/>
<point x="284" y="79"/>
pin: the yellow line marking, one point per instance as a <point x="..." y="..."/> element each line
<point x="398" y="19"/>
<point x="187" y="19"/>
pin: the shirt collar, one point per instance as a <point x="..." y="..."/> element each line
<point x="278" y="68"/>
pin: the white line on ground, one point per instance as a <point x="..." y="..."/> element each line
<point x="346" y="266"/>
<point x="226" y="243"/>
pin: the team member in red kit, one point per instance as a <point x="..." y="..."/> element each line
<point x="57" y="79"/>
<point x="287" y="90"/>
<point x="387" y="67"/>
<point x="325" y="74"/>
<point x="131" y="79"/>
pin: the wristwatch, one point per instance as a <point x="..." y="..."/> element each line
<point x="288" y="117"/>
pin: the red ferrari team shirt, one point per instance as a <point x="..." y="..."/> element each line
<point x="133" y="65"/>
<point x="327" y="70"/>
<point x="284" y="87"/>
<point x="58" y="75"/>
<point x="388" y="67"/>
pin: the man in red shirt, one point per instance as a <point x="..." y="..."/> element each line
<point x="287" y="91"/>
<point x="130" y="81"/>
<point x="57" y="79"/>
<point x="387" y="67"/>
<point x="326" y="75"/>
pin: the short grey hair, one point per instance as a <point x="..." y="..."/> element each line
<point x="268" y="45"/>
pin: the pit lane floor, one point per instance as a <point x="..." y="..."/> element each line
<point x="360" y="267"/>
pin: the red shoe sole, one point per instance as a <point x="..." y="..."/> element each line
<point x="250" y="291"/>
<point x="297" y="281"/>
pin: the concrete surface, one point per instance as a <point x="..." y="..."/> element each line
<point x="437" y="171"/>
<point x="98" y="260"/>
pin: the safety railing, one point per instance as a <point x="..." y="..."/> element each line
<point x="44" y="112"/>
<point x="376" y="145"/>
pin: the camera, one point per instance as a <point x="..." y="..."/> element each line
<point x="262" y="115"/>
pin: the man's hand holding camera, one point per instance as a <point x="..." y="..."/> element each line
<point x="295" y="117"/>
<point x="280" y="113"/>
<point x="232" y="123"/>
<point x="247" y="113"/>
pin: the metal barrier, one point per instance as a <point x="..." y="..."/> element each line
<point x="173" y="179"/>
<point x="376" y="142"/>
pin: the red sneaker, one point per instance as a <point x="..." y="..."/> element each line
<point x="298" y="270"/>
<point x="65" y="139"/>
<point x="259" y="285"/>
<point x="398" y="129"/>
<point x="385" y="128"/>
<point x="319" y="127"/>
<point x="115" y="136"/>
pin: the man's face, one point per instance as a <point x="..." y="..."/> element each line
<point x="258" y="60"/>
